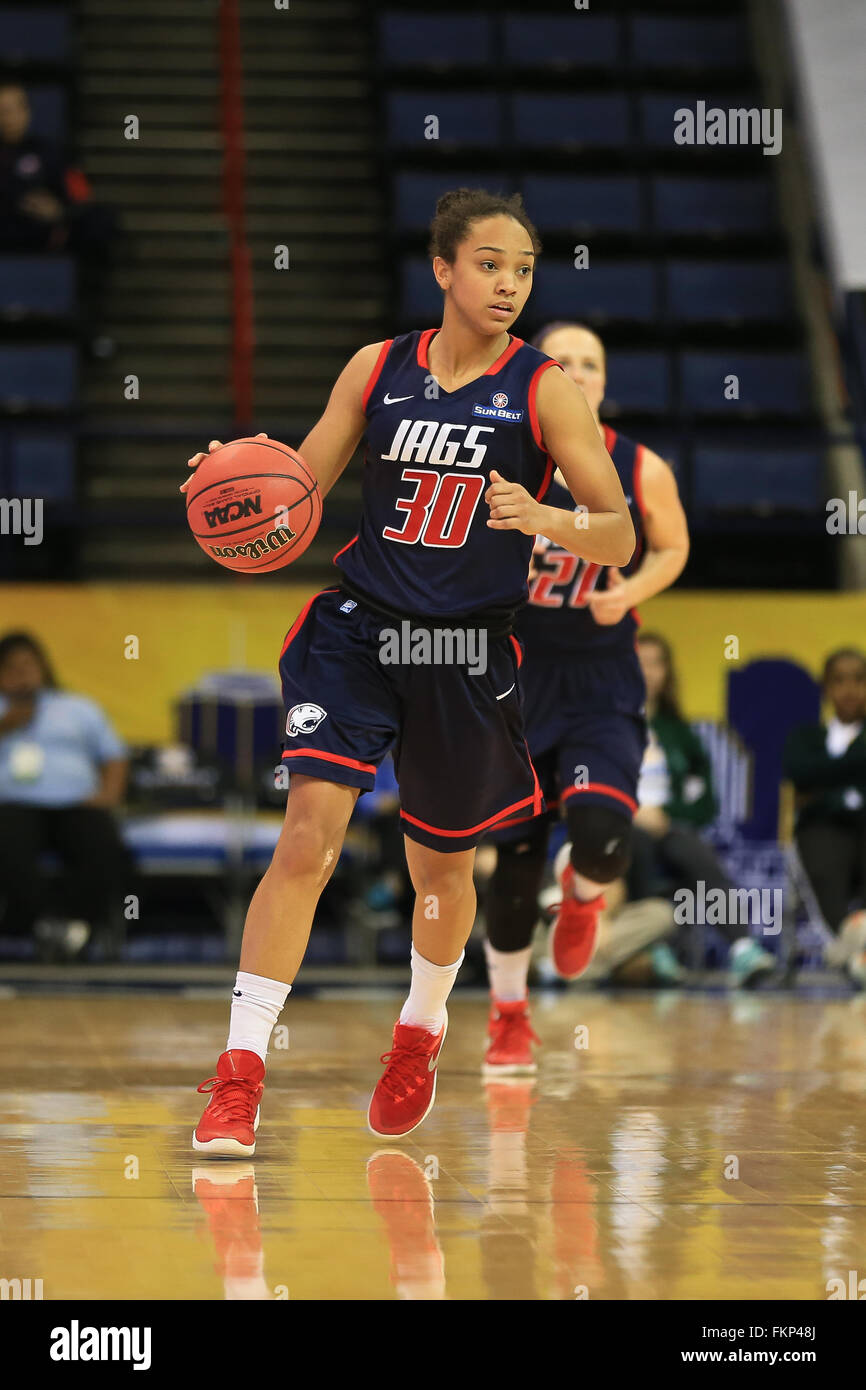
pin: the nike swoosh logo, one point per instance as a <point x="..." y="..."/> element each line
<point x="506" y="692"/>
<point x="236" y="993"/>
<point x="394" y="400"/>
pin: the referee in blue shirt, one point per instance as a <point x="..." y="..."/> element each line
<point x="62" y="773"/>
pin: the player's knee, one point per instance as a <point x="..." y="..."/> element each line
<point x="307" y="850"/>
<point x="444" y="877"/>
<point x="600" y="842"/>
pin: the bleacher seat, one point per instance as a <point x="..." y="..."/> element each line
<point x="657" y="112"/>
<point x="713" y="207"/>
<point x="592" y="120"/>
<point x="686" y="43"/>
<point x="420" y="297"/>
<point x="38" y="378"/>
<point x="757" y="482"/>
<point x="37" y="286"/>
<point x="625" y="290"/>
<point x="436" y="40"/>
<point x="42" y="464"/>
<point x="414" y="195"/>
<point x="578" y="40"/>
<point x="562" y="202"/>
<point x="467" y="120"/>
<point x="776" y="383"/>
<point x="48" y="111"/>
<point x="721" y="291"/>
<point x="37" y="34"/>
<point x="638" y="381"/>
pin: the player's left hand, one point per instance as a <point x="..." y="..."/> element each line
<point x="512" y="508"/>
<point x="611" y="605"/>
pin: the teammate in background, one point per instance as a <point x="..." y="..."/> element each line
<point x="463" y="425"/>
<point x="584" y="710"/>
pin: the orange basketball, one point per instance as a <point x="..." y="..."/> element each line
<point x="254" y="505"/>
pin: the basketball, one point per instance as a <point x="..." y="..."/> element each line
<point x="255" y="506"/>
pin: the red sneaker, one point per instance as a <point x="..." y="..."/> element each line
<point x="572" y="941"/>
<point x="511" y="1039"/>
<point x="405" y="1093"/>
<point x="228" y="1126"/>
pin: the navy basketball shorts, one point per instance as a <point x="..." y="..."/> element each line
<point x="586" y="732"/>
<point x="459" y="749"/>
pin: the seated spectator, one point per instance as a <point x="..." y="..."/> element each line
<point x="62" y="774"/>
<point x="827" y="764"/>
<point x="46" y="205"/>
<point x="675" y="801"/>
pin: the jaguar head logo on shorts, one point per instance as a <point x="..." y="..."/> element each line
<point x="304" y="719"/>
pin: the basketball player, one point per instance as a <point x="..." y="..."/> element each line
<point x="584" y="710"/>
<point x="463" y="425"/>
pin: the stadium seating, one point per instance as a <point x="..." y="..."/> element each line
<point x="466" y="120"/>
<point x="703" y="43"/>
<point x="756" y="482"/>
<point x="776" y="383"/>
<point x="561" y="41"/>
<point x="562" y="202"/>
<point x="724" y="291"/>
<point x="38" y="34"/>
<point x="37" y="287"/>
<point x="423" y="41"/>
<point x="621" y="290"/>
<point x="39" y="377"/>
<point x="712" y="206"/>
<point x="597" y="120"/>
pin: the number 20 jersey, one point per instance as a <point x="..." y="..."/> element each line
<point x="558" y="621"/>
<point x="424" y="546"/>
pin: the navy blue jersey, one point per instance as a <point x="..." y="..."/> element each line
<point x="424" y="546"/>
<point x="557" y="619"/>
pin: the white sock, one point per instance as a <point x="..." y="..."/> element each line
<point x="584" y="888"/>
<point x="428" y="993"/>
<point x="256" y="1005"/>
<point x="508" y="972"/>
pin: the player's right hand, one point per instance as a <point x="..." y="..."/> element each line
<point x="197" y="458"/>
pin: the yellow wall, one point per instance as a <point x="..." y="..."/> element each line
<point x="185" y="630"/>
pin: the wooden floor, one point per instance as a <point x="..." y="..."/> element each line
<point x="612" y="1175"/>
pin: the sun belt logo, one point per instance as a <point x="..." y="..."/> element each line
<point x="304" y="719"/>
<point x="498" y="410"/>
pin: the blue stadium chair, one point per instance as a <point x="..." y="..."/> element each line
<point x="720" y="291"/>
<point x="38" y="377"/>
<point x="577" y="40"/>
<point x="420" y="296"/>
<point x="37" y="285"/>
<point x="713" y="206"/>
<point x="436" y="40"/>
<point x="657" y="111"/>
<point x="702" y="43"/>
<point x="597" y="120"/>
<point x="626" y="290"/>
<point x="42" y="464"/>
<point x="757" y="482"/>
<point x="559" y="202"/>
<point x="466" y="120"/>
<point x="40" y="34"/>
<point x="638" y="381"/>
<point x="773" y="382"/>
<point x="48" y="110"/>
<point x="414" y="195"/>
